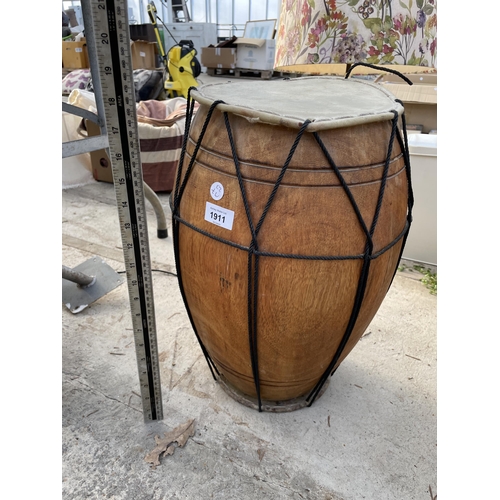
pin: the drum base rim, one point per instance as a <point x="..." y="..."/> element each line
<point x="267" y="406"/>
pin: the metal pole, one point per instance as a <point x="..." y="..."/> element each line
<point x="217" y="12"/>
<point x="94" y="68"/>
<point x="77" y="277"/>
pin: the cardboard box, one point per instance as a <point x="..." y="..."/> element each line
<point x="218" y="57"/>
<point x="255" y="54"/>
<point x="419" y="99"/>
<point x="101" y="165"/>
<point x="262" y="30"/>
<point x="143" y="54"/>
<point x="145" y="32"/>
<point x="75" y="55"/>
<point x="257" y="45"/>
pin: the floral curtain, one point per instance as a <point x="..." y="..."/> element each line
<point x="344" y="32"/>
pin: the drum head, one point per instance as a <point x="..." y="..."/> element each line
<point x="329" y="102"/>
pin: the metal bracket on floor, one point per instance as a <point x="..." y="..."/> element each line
<point x="87" y="282"/>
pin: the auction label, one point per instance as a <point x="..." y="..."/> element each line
<point x="217" y="191"/>
<point x="219" y="216"/>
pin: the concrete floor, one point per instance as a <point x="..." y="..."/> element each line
<point x="372" y="435"/>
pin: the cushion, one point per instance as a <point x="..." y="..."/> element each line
<point x="76" y="80"/>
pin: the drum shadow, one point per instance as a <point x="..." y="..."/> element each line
<point x="375" y="421"/>
<point x="372" y="433"/>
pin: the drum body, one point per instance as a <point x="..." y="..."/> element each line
<point x="283" y="264"/>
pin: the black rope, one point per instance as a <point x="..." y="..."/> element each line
<point x="253" y="262"/>
<point x="239" y="177"/>
<point x="251" y="317"/>
<point x="253" y="249"/>
<point x="344" y="185"/>
<point x="261" y="253"/>
<point x="380" y="68"/>
<point x="406" y="152"/>
<point x="363" y="279"/>
<point x="256" y="270"/>
<point x="211" y="364"/>
<point x="187" y="127"/>
<point x="193" y="157"/>
<point x="282" y="173"/>
<point x="175" y="215"/>
<point x="403" y="143"/>
<point x="385" y="172"/>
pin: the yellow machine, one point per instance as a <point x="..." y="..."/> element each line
<point x="180" y="62"/>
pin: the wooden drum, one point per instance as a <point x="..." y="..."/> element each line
<point x="290" y="211"/>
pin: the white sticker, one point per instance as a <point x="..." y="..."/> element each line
<point x="217" y="191"/>
<point x="219" y="216"/>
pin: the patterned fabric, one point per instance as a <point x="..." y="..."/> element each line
<point x="76" y="80"/>
<point x="349" y="31"/>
